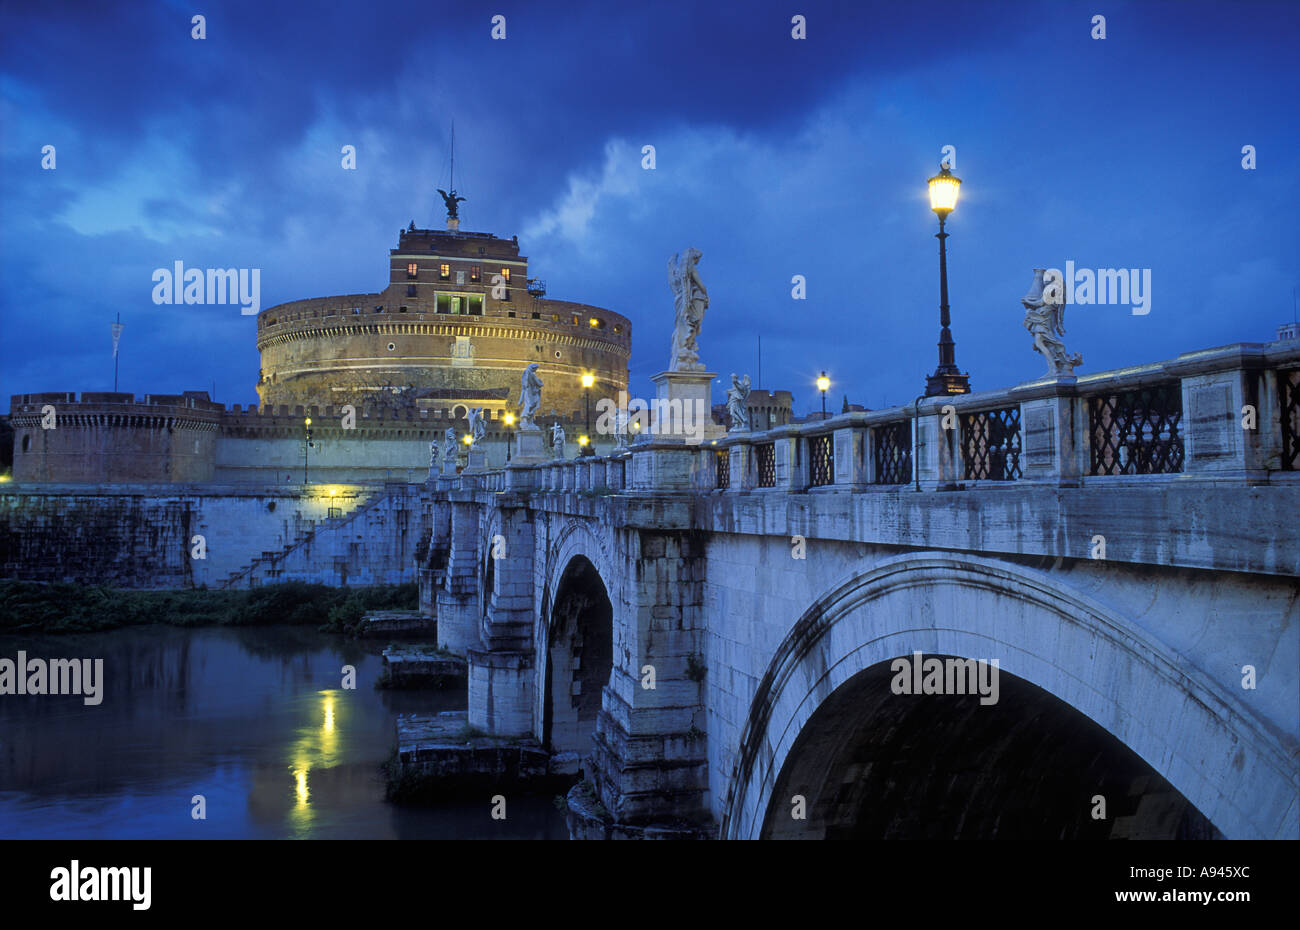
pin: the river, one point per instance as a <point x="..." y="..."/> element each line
<point x="254" y="720"/>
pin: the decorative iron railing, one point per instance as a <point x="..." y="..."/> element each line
<point x="893" y="453"/>
<point x="765" y="461"/>
<point x="1136" y="432"/>
<point x="990" y="445"/>
<point x="821" y="458"/>
<point x="1288" y="390"/>
<point x="722" y="465"/>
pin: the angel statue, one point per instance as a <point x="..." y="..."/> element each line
<point x="690" y="300"/>
<point x="449" y="447"/>
<point x="433" y="453"/>
<point x="557" y="440"/>
<point x="1045" y="320"/>
<point x="530" y="396"/>
<point x="453" y="203"/>
<point x="737" y="406"/>
<point x="477" y="426"/>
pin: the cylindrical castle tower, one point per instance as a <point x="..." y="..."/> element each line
<point x="456" y="326"/>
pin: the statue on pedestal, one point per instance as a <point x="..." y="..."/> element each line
<point x="452" y="202"/>
<point x="449" y="447"/>
<point x="433" y="453"/>
<point x="620" y="431"/>
<point x="477" y="426"/>
<point x="557" y="440"/>
<point x="530" y="396"/>
<point x="1045" y="320"/>
<point x="690" y="300"/>
<point x="737" y="404"/>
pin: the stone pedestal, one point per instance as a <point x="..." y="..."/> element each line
<point x="1053" y="434"/>
<point x="477" y="460"/>
<point x="683" y="407"/>
<point x="529" y="447"/>
<point x="449" y="466"/>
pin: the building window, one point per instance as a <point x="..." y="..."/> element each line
<point x="575" y="321"/>
<point x="505" y="273"/>
<point x="410" y="290"/>
<point x="379" y="309"/>
<point x="475" y="274"/>
<point x="412" y="270"/>
<point x="460" y="277"/>
<point x="511" y="314"/>
<point x="444" y="271"/>
<point x="461" y="304"/>
<point x="27" y="443"/>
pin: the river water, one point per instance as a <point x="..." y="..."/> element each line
<point x="254" y="720"/>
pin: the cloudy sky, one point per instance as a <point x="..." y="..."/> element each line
<point x="774" y="156"/>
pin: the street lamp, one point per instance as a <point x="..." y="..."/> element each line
<point x="509" y="421"/>
<point x="947" y="379"/>
<point x="823" y="383"/>
<point x="588" y="379"/>
<point x="306" y="425"/>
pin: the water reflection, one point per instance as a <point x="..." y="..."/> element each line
<point x="255" y="720"/>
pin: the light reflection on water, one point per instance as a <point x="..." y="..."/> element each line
<point x="255" y="720"/>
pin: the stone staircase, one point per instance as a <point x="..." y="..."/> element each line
<point x="265" y="568"/>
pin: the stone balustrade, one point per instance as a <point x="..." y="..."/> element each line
<point x="1223" y="415"/>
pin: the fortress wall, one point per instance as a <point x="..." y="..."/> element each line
<point x="139" y="536"/>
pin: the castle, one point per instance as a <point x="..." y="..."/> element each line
<point x="380" y="376"/>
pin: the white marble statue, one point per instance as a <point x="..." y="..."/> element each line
<point x="530" y="396"/>
<point x="737" y="404"/>
<point x="620" y="430"/>
<point x="477" y="426"/>
<point x="557" y="440"/>
<point x="449" y="446"/>
<point x="433" y="453"/>
<point x="1045" y="320"/>
<point x="690" y="300"/>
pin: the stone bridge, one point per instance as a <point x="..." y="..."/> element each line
<point x="708" y="631"/>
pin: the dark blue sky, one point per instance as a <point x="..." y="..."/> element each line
<point x="775" y="157"/>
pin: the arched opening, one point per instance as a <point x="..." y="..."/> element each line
<point x="872" y="764"/>
<point x="580" y="656"/>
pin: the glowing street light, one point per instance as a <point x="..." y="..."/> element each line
<point x="823" y="384"/>
<point x="306" y="426"/>
<point x="947" y="378"/>
<point x="588" y="379"/>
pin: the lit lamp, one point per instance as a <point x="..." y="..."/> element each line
<point x="306" y="426"/>
<point x="585" y="448"/>
<point x="509" y="420"/>
<point x="947" y="379"/>
<point x="823" y="383"/>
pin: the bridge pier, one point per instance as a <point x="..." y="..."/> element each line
<point x="650" y="751"/>
<point x="458" y="604"/>
<point x="502" y="669"/>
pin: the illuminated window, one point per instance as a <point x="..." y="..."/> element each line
<point x="412" y="270"/>
<point x="444" y="271"/>
<point x="475" y="274"/>
<point x="505" y="273"/>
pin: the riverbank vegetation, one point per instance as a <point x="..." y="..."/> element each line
<point x="31" y="607"/>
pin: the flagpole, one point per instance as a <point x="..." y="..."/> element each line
<point x="117" y="334"/>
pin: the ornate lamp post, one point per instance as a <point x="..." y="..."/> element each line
<point x="588" y="379"/>
<point x="823" y="384"/>
<point x="509" y="421"/>
<point x="947" y="379"/>
<point x="306" y="426"/>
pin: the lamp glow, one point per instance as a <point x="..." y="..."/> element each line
<point x="943" y="191"/>
<point x="582" y="441"/>
<point x="588" y="380"/>
<point x="467" y="439"/>
<point x="823" y="383"/>
<point x="510" y="419"/>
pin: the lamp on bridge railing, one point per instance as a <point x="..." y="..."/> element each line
<point x="588" y="379"/>
<point x="509" y="421"/>
<point x="947" y="379"/>
<point x="823" y="384"/>
<point x="306" y="426"/>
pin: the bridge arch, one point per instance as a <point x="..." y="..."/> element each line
<point x="1218" y="757"/>
<point x="574" y="639"/>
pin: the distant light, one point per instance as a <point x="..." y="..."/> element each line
<point x="583" y="440"/>
<point x="588" y="379"/>
<point x="510" y="419"/>
<point x="307" y="422"/>
<point x="468" y="439"/>
<point x="823" y="383"/>
<point x="595" y="322"/>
